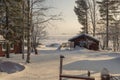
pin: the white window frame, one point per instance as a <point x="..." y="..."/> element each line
<point x="3" y="47"/>
<point x="11" y="46"/>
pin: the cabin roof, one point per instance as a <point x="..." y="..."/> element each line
<point x="81" y="35"/>
<point x="2" y="39"/>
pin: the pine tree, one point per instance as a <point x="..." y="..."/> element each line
<point x="11" y="26"/>
<point x="81" y="11"/>
<point x="106" y="12"/>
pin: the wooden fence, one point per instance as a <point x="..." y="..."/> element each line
<point x="61" y="75"/>
<point x="105" y="75"/>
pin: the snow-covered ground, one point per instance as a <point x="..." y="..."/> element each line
<point x="45" y="65"/>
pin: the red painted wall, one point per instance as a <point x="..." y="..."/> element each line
<point x="17" y="49"/>
<point x="2" y="53"/>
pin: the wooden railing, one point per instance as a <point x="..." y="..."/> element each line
<point x="115" y="78"/>
<point x="61" y="75"/>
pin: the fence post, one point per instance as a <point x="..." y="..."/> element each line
<point x="61" y="64"/>
<point x="88" y="73"/>
<point x="105" y="74"/>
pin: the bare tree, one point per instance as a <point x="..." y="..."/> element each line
<point x="37" y="19"/>
<point x="93" y="14"/>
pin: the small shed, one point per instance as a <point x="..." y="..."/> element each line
<point x="14" y="48"/>
<point x="86" y="41"/>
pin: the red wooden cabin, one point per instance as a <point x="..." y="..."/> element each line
<point x="86" y="41"/>
<point x="14" y="48"/>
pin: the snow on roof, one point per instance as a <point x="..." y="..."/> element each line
<point x="1" y="38"/>
<point x="75" y="37"/>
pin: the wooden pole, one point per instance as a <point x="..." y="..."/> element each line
<point x="61" y="65"/>
<point x="78" y="77"/>
<point x="88" y="73"/>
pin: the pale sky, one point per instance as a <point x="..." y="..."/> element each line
<point x="70" y="23"/>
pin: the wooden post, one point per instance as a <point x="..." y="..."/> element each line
<point x="105" y="74"/>
<point x="88" y="73"/>
<point x="61" y="64"/>
<point x="71" y="76"/>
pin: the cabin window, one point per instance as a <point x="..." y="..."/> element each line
<point x="3" y="47"/>
<point x="11" y="46"/>
<point x="82" y="43"/>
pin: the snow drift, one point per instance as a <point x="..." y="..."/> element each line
<point x="10" y="67"/>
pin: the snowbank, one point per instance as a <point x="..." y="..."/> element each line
<point x="10" y="67"/>
<point x="45" y="65"/>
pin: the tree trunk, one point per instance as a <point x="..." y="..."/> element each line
<point x="7" y="50"/>
<point x="35" y="49"/>
<point x="28" y="35"/>
<point x="94" y="16"/>
<point x="23" y="29"/>
<point x="104" y="42"/>
<point x="107" y="24"/>
<point x="117" y="43"/>
<point x="86" y="25"/>
<point x="114" y="44"/>
<point x="7" y="26"/>
<point x="28" y="49"/>
<point x="23" y="56"/>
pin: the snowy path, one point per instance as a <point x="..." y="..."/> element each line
<point x="45" y="66"/>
